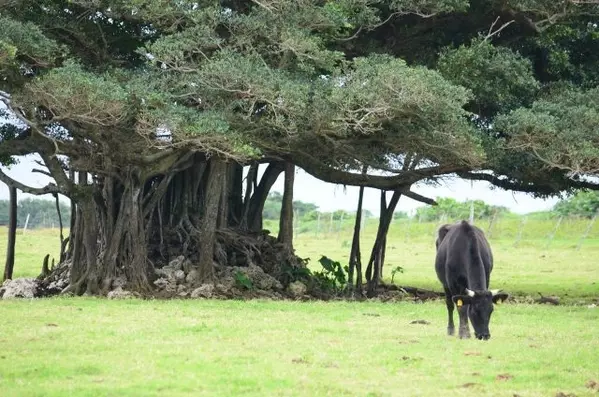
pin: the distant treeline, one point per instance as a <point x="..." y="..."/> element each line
<point x="42" y="213"/>
<point x="583" y="204"/>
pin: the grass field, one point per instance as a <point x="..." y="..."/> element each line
<point x="87" y="346"/>
<point x="91" y="347"/>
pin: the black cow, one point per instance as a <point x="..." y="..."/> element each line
<point x="464" y="263"/>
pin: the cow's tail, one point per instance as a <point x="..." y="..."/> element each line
<point x="472" y="239"/>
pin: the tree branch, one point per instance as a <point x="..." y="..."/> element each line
<point x="332" y="175"/>
<point x="48" y="189"/>
<point x="417" y="197"/>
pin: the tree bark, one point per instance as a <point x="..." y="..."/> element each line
<point x="375" y="263"/>
<point x="270" y="176"/>
<point x="235" y="194"/>
<point x="286" y="218"/>
<point x="355" y="256"/>
<point x="12" y="234"/>
<point x="208" y="223"/>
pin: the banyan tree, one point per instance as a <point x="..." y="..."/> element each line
<point x="156" y="118"/>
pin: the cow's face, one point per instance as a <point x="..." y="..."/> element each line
<point x="480" y="308"/>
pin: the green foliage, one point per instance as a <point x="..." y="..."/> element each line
<point x="395" y="270"/>
<point x="452" y="210"/>
<point x="584" y="204"/>
<point x="560" y="129"/>
<point x="243" y="281"/>
<point x="332" y="277"/>
<point x="499" y="78"/>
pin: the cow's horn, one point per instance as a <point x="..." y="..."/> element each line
<point x="494" y="291"/>
<point x="470" y="293"/>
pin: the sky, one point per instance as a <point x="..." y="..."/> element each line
<point x="332" y="197"/>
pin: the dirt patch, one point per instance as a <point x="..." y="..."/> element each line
<point x="503" y="377"/>
<point x="593" y="385"/>
<point x="420" y="322"/>
<point x="472" y="353"/>
<point x="561" y="394"/>
<point x="299" y="360"/>
<point x="469" y="384"/>
<point x="51" y="325"/>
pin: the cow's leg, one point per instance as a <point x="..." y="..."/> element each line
<point x="449" y="302"/>
<point x="464" y="328"/>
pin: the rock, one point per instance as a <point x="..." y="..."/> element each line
<point x="179" y="276"/>
<point x="181" y="288"/>
<point x="259" y="278"/>
<point x="297" y="289"/>
<point x="177" y="263"/>
<point x="192" y="277"/>
<point x="166" y="272"/>
<point x="119" y="282"/>
<point x="223" y="288"/>
<point x="204" y="291"/>
<point x="19" y="288"/>
<point x="120" y="293"/>
<point x="183" y="294"/>
<point x="161" y="283"/>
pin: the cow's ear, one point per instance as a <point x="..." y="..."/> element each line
<point x="460" y="300"/>
<point x="500" y="297"/>
<point x="441" y="234"/>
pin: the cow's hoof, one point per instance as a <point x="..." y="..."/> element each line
<point x="450" y="331"/>
<point x="464" y="335"/>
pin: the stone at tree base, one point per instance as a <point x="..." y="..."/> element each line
<point x="192" y="277"/>
<point x="120" y="293"/>
<point x="161" y="283"/>
<point x="204" y="291"/>
<point x="179" y="276"/>
<point x="297" y="289"/>
<point x="19" y="288"/>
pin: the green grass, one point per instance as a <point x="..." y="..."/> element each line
<point x="95" y="347"/>
<point x="87" y="346"/>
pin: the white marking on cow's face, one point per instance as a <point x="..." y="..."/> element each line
<point x="494" y="291"/>
<point x="470" y="293"/>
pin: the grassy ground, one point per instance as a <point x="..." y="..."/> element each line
<point x="86" y="346"/>
<point x="57" y="347"/>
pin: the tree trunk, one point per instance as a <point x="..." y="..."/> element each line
<point x="12" y="234"/>
<point x="286" y="218"/>
<point x="212" y="197"/>
<point x="355" y="256"/>
<point x="271" y="174"/>
<point x="375" y="263"/>
<point x="235" y="194"/>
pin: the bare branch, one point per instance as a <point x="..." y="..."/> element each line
<point x="418" y="197"/>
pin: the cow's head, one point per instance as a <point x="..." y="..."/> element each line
<point x="480" y="307"/>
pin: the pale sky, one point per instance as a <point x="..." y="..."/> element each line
<point x="332" y="197"/>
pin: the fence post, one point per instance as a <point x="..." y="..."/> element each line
<point x="520" y="231"/>
<point x="26" y="223"/>
<point x="407" y="238"/>
<point x="559" y="221"/>
<point x="318" y="224"/>
<point x="340" y="224"/>
<point x="471" y="218"/>
<point x="331" y="224"/>
<point x="587" y="231"/>
<point x="491" y="224"/>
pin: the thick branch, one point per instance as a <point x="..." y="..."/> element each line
<point x="332" y="175"/>
<point x="38" y="191"/>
